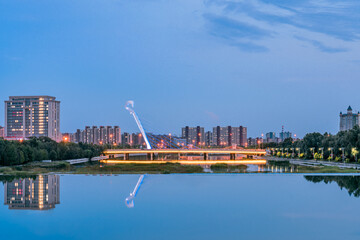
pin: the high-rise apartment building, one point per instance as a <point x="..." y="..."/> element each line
<point x="127" y="139"/>
<point x="285" y="135"/>
<point x="228" y="136"/>
<point x="349" y="120"/>
<point x="208" y="138"/>
<point x="271" y="137"/>
<point x="32" y="116"/>
<point x="194" y="135"/>
<point x="98" y="135"/>
<point x="2" y="132"/>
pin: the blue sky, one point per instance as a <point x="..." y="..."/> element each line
<point x="257" y="63"/>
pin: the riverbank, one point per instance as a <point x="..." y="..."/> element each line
<point x="315" y="163"/>
<point x="63" y="167"/>
<point x="98" y="168"/>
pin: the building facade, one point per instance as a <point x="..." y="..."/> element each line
<point x="98" y="135"/>
<point x="2" y="132"/>
<point x="32" y="116"/>
<point x="285" y="135"/>
<point x="349" y="120"/>
<point x="229" y="136"/>
<point x="193" y="135"/>
<point x="208" y="138"/>
<point x="127" y="138"/>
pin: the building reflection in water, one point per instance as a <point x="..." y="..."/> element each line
<point x="41" y="193"/>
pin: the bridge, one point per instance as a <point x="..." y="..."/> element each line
<point x="178" y="154"/>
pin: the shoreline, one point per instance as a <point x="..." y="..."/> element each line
<point x="314" y="163"/>
<point x="62" y="167"/>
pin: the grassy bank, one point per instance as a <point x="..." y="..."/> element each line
<point x="97" y="168"/>
<point x="163" y="168"/>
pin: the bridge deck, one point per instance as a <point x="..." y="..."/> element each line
<point x="186" y="151"/>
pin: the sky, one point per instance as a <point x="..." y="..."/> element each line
<point x="257" y="63"/>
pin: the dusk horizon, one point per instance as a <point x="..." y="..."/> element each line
<point x="180" y="119"/>
<point x="259" y="64"/>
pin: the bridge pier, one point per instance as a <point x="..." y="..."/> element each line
<point x="150" y="156"/>
<point x="179" y="156"/>
<point x="206" y="156"/>
<point x="126" y="156"/>
<point x="232" y="156"/>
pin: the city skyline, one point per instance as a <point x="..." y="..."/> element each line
<point x="134" y="129"/>
<point x="263" y="64"/>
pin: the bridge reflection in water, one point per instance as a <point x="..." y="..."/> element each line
<point x="40" y="193"/>
<point x="277" y="169"/>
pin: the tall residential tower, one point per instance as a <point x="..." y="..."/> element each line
<point x="32" y="116"/>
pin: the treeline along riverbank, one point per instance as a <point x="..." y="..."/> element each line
<point x="344" y="146"/>
<point x="43" y="148"/>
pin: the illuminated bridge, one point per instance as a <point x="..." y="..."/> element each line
<point x="182" y="156"/>
<point x="176" y="154"/>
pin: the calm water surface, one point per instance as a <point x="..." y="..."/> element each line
<point x="203" y="206"/>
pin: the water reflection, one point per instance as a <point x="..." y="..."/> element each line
<point x="40" y="193"/>
<point x="277" y="167"/>
<point x="350" y="183"/>
<point x="129" y="201"/>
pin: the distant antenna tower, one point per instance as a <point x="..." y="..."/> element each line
<point x="130" y="107"/>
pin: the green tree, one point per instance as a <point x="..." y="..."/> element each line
<point x="10" y="156"/>
<point x="53" y="155"/>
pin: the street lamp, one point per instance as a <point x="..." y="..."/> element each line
<point x="331" y="152"/>
<point x="342" y="153"/>
<point x="312" y="151"/>
<point x="292" y="152"/>
<point x="299" y="150"/>
<point x="322" y="152"/>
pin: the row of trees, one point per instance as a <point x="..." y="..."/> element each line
<point x="43" y="148"/>
<point x="343" y="146"/>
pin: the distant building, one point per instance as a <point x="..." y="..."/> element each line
<point x="2" y="132"/>
<point x="228" y="136"/>
<point x="164" y="141"/>
<point x="271" y="135"/>
<point x="254" y="141"/>
<point x="349" y="120"/>
<point x="208" y="138"/>
<point x="271" y="138"/>
<point x="126" y="139"/>
<point x="194" y="135"/>
<point x="97" y="135"/>
<point x="43" y="193"/>
<point x="32" y="116"/>
<point x="285" y="135"/>
<point x="138" y="140"/>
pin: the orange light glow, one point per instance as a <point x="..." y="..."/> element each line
<point x="188" y="162"/>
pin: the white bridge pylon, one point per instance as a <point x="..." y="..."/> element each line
<point x="130" y="107"/>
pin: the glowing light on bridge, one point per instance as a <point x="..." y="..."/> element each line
<point x="188" y="162"/>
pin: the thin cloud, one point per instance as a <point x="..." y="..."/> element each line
<point x="236" y="33"/>
<point x="322" y="47"/>
<point x="338" y="20"/>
